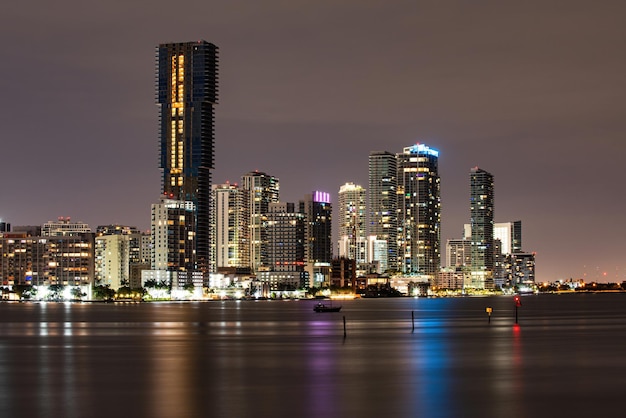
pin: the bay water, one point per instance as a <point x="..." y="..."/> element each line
<point x="393" y="357"/>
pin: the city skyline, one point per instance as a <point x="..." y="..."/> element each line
<point x="530" y="93"/>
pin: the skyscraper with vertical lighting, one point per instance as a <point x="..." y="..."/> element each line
<point x="186" y="96"/>
<point x="419" y="211"/>
<point x="481" y="223"/>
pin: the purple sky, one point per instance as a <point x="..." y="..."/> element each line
<point x="532" y="91"/>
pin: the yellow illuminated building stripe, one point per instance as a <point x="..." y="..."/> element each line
<point x="177" y="127"/>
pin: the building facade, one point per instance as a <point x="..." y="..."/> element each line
<point x="419" y="212"/>
<point x="117" y="249"/>
<point x="260" y="189"/>
<point x="285" y="248"/>
<point x="186" y="97"/>
<point x="173" y="238"/>
<point x="64" y="227"/>
<point x="285" y="237"/>
<point x="352" y="222"/>
<point x="382" y="204"/>
<point x="481" y="224"/>
<point x="46" y="260"/>
<point x="510" y="236"/>
<point x="318" y="250"/>
<point x="229" y="249"/>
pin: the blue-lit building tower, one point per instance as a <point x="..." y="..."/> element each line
<point x="186" y="95"/>
<point x="419" y="212"/>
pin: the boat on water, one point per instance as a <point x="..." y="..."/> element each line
<point x="320" y="307"/>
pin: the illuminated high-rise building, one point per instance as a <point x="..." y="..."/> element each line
<point x="229" y="249"/>
<point x="382" y="203"/>
<point x="186" y="96"/>
<point x="173" y="242"/>
<point x="419" y="211"/>
<point x="481" y="224"/>
<point x="318" y="252"/>
<point x="117" y="248"/>
<point x="260" y="189"/>
<point x="285" y="238"/>
<point x="510" y="235"/>
<point x="351" y="212"/>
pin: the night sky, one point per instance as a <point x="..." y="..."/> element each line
<point x="531" y="91"/>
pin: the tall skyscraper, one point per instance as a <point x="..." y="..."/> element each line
<point x="481" y="223"/>
<point x="352" y="223"/>
<point x="383" y="203"/>
<point x="261" y="190"/>
<point x="419" y="211"/>
<point x="186" y="96"/>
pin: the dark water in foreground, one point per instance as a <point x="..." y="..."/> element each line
<point x="566" y="358"/>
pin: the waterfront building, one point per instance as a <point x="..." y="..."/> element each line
<point x="343" y="273"/>
<point x="352" y="223"/>
<point x="377" y="253"/>
<point x="510" y="236"/>
<point x="507" y="240"/>
<point x="318" y="253"/>
<point x="522" y="268"/>
<point x="260" y="190"/>
<point x="506" y="243"/>
<point x="481" y="224"/>
<point x="173" y="243"/>
<point x="419" y="212"/>
<point x="117" y="248"/>
<point x="450" y="278"/>
<point x="285" y="248"/>
<point x="66" y="260"/>
<point x="186" y="96"/>
<point x="382" y="204"/>
<point x="229" y="248"/>
<point x="285" y="237"/>
<point x="458" y="253"/>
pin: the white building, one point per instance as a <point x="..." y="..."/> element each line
<point x="229" y="227"/>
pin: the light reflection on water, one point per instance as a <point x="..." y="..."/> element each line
<point x="280" y="359"/>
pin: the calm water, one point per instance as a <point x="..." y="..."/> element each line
<point x="565" y="358"/>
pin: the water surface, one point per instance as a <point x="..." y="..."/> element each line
<point x="400" y="357"/>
